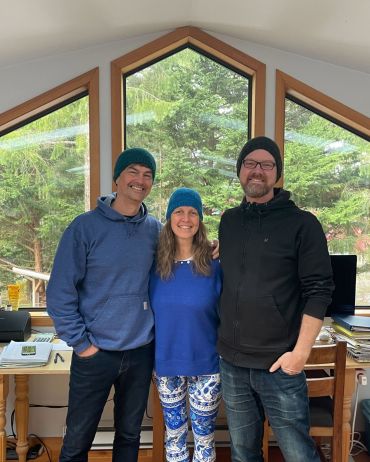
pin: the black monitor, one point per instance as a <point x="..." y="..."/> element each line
<point x="344" y="276"/>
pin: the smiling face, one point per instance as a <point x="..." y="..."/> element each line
<point x="258" y="184"/>
<point x="134" y="184"/>
<point x="185" y="222"/>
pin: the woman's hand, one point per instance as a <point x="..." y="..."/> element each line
<point x="215" y="249"/>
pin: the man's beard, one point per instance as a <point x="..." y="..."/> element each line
<point x="256" y="190"/>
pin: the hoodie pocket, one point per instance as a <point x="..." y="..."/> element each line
<point x="262" y="324"/>
<point x="122" y="315"/>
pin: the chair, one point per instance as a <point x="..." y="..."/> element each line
<point x="326" y="393"/>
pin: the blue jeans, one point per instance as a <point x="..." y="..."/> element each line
<point x="248" y="394"/>
<point x="91" y="380"/>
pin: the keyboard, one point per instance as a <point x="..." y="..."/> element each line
<point x="44" y="337"/>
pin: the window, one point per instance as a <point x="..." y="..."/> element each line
<point x="45" y="181"/>
<point x="327" y="169"/>
<point x="190" y="100"/>
<point x="192" y="113"/>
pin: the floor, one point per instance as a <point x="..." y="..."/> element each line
<point x="223" y="454"/>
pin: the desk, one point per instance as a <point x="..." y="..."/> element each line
<point x="21" y="399"/>
<point x="349" y="389"/>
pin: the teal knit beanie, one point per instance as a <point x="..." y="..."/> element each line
<point x="185" y="197"/>
<point x="134" y="156"/>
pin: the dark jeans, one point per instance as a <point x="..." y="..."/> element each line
<point x="91" y="380"/>
<point x="248" y="394"/>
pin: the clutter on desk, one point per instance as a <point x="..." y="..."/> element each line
<point x="355" y="330"/>
<point x="15" y="325"/>
<point x="25" y="354"/>
<point x="44" y="337"/>
<point x="61" y="345"/>
<point x="14" y="295"/>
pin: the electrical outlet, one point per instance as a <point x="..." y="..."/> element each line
<point x="361" y="377"/>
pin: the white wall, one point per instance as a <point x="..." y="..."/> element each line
<point x="22" y="82"/>
<point x="27" y="80"/>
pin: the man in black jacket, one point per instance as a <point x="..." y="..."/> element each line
<point x="276" y="288"/>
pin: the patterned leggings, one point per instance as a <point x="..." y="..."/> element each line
<point x="204" y="393"/>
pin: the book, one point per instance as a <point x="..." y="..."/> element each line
<point x="358" y="335"/>
<point x="359" y="355"/>
<point x="352" y="323"/>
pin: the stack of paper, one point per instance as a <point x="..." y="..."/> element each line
<point x="11" y="355"/>
<point x="355" y="330"/>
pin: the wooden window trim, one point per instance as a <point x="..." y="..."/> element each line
<point x="86" y="82"/>
<point x="181" y="37"/>
<point x="289" y="86"/>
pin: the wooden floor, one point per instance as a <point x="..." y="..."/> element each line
<point x="145" y="455"/>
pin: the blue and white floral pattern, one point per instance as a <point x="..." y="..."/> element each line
<point x="204" y="393"/>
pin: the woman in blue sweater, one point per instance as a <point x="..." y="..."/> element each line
<point x="184" y="290"/>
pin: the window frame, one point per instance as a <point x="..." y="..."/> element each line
<point x="287" y="87"/>
<point x="177" y="39"/>
<point x="54" y="98"/>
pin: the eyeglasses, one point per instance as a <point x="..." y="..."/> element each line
<point x="251" y="164"/>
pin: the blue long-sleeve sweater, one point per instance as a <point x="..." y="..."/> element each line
<point x="186" y="320"/>
<point x="98" y="288"/>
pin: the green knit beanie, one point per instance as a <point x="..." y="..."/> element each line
<point x="134" y="156"/>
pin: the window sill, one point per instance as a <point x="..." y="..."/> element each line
<point x="362" y="312"/>
<point x="40" y="319"/>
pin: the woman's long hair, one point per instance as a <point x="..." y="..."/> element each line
<point x="166" y="251"/>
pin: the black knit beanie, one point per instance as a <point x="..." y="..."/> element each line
<point x="134" y="156"/>
<point x="261" y="142"/>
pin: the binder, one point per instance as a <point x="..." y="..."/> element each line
<point x="353" y="323"/>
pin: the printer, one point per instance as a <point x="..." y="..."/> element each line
<point x="15" y="325"/>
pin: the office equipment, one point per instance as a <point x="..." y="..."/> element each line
<point x="28" y="350"/>
<point x="44" y="337"/>
<point x="344" y="276"/>
<point x="14" y="325"/>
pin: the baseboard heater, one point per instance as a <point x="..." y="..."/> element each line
<point x="105" y="434"/>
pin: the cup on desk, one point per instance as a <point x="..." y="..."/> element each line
<point x="13" y="295"/>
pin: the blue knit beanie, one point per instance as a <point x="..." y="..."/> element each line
<point x="134" y="156"/>
<point x="185" y="197"/>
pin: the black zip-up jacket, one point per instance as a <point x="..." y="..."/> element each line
<point x="276" y="267"/>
